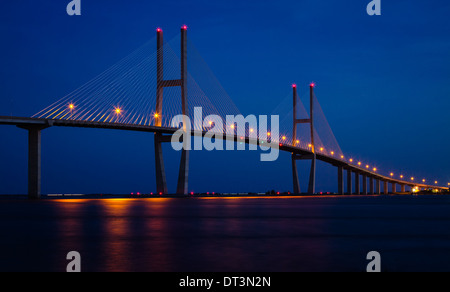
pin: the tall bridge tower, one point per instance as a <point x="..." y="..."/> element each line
<point x="183" y="176"/>
<point x="312" y="157"/>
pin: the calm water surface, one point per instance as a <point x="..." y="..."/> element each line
<point x="412" y="233"/>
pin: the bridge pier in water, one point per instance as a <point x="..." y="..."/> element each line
<point x="403" y="188"/>
<point x="34" y="160"/>
<point x="357" y="184"/>
<point x="34" y="163"/>
<point x="371" y="186"/>
<point x="378" y="186"/>
<point x="340" y="180"/>
<point x="349" y="182"/>
<point x="364" y="192"/>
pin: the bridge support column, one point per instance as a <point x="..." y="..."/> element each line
<point x="34" y="160"/>
<point x="340" y="180"/>
<point x="312" y="177"/>
<point x="161" y="182"/>
<point x="357" y="184"/>
<point x="403" y="188"/>
<point x="364" y="177"/>
<point x="371" y="185"/>
<point x="295" y="176"/>
<point x="378" y="186"/>
<point x="394" y="188"/>
<point x="34" y="163"/>
<point x="386" y="187"/>
<point x="349" y="182"/>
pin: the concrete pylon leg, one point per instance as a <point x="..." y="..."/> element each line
<point x="403" y="188"/>
<point x="312" y="177"/>
<point x="371" y="186"/>
<point x="378" y="187"/>
<point x="357" y="184"/>
<point x="394" y="188"/>
<point x="364" y="185"/>
<point x="386" y="187"/>
<point x="161" y="183"/>
<point x="340" y="180"/>
<point x="295" y="176"/>
<point x="183" y="177"/>
<point x="34" y="163"/>
<point x="349" y="182"/>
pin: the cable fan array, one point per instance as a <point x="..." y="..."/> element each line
<point x="126" y="94"/>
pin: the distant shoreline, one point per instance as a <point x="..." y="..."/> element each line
<point x="218" y="196"/>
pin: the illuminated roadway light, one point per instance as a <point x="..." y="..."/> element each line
<point x="251" y="130"/>
<point x="392" y="174"/>
<point x="284" y="138"/>
<point x="423" y="180"/>
<point x="118" y="110"/>
<point x="321" y="149"/>
<point x="367" y="166"/>
<point x="402" y="176"/>
<point x="268" y="134"/>
<point x="298" y="142"/>
<point x="374" y="169"/>
<point x="332" y="152"/>
<point x="309" y="145"/>
<point x="156" y="115"/>
<point x="351" y="159"/>
<point x="359" y="163"/>
<point x="342" y="156"/>
<point x="71" y="106"/>
<point x="412" y="179"/>
<point x="436" y="182"/>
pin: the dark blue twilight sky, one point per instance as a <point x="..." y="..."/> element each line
<point x="383" y="83"/>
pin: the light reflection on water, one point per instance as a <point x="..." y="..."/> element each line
<point x="227" y="234"/>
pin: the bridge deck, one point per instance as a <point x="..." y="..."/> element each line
<point x="30" y="122"/>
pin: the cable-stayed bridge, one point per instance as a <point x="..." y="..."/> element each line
<point x="147" y="89"/>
